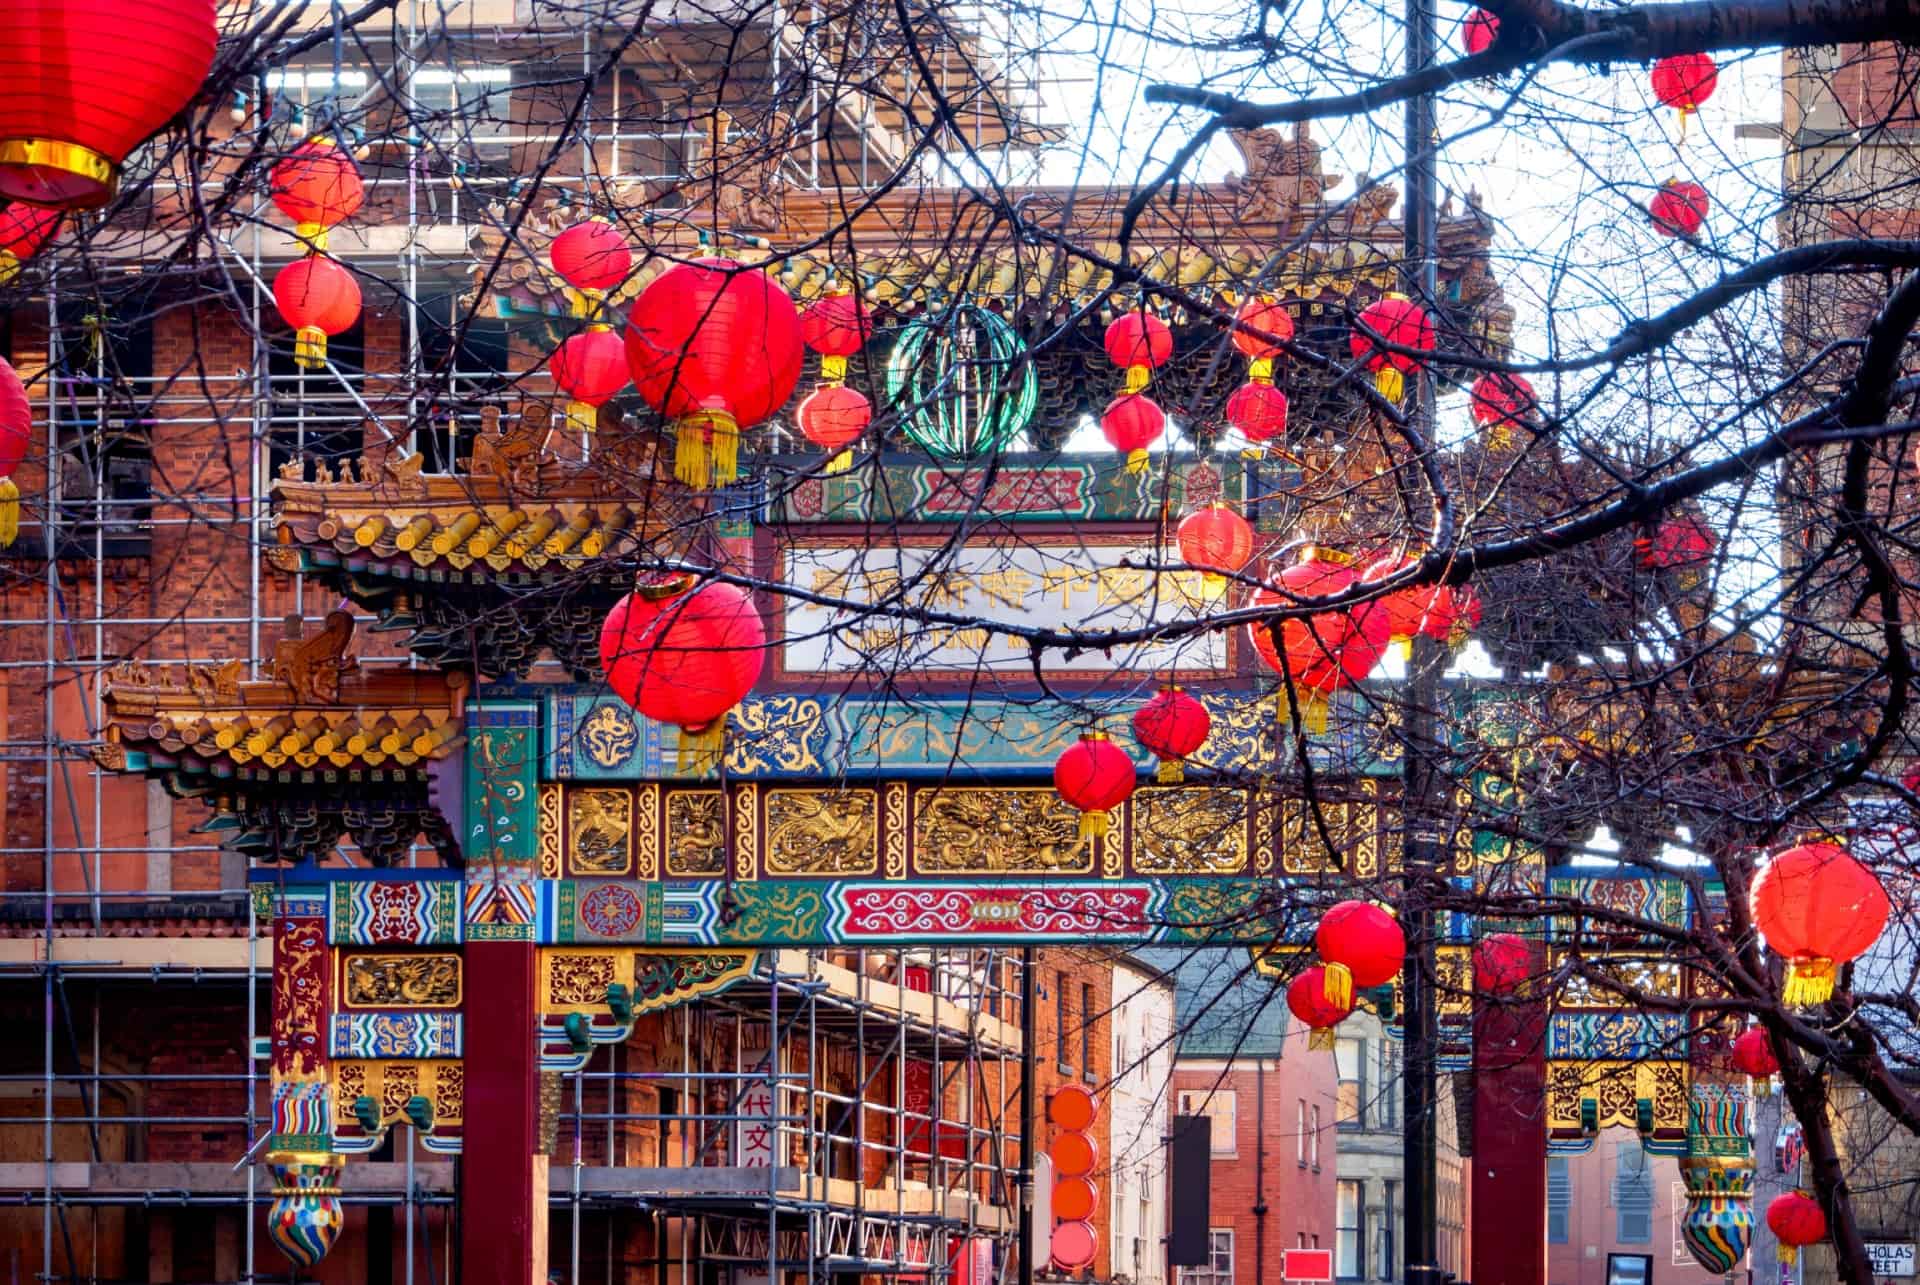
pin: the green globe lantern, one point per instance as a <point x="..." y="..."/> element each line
<point x="962" y="382"/>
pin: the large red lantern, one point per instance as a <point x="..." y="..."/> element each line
<point x="1362" y="946"/>
<point x="1399" y="321"/>
<point x="16" y="432"/>
<point x="1479" y="31"/>
<point x="685" y="656"/>
<point x="1679" y="208"/>
<point x="317" y="186"/>
<point x="1139" y="343"/>
<point x="833" y="417"/>
<point x="591" y="255"/>
<point x="1173" y="725"/>
<point x="318" y="298"/>
<point x="1682" y="541"/>
<point x="1307" y="1000"/>
<point x="24" y="229"/>
<point x="1683" y="82"/>
<point x="1405" y="609"/>
<point x="1501" y="963"/>
<point x="1454" y="613"/>
<point x="1094" y="776"/>
<point x="1796" y="1221"/>
<point x="1131" y="423"/>
<point x="1752" y="1054"/>
<point x="1500" y="401"/>
<point x="1259" y="411"/>
<point x="1819" y="908"/>
<point x="1217" y="540"/>
<point x="717" y="348"/>
<point x="1327" y="650"/>
<point x="589" y="368"/>
<point x="87" y="81"/>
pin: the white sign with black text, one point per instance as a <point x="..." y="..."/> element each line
<point x="1891" y="1258"/>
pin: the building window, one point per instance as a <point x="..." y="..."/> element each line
<point x="1632" y="1194"/>
<point x="1218" y="1106"/>
<point x="1300" y="1136"/>
<point x="1559" y="1199"/>
<point x="1086" y="1028"/>
<point x="1386" y="1088"/>
<point x="1313" y="1146"/>
<point x="1219" y="1268"/>
<point x="1387" y="1269"/>
<point x="1350" y="1059"/>
<point x="1062" y="1011"/>
<point x="1349" y="1230"/>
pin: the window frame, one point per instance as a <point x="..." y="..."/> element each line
<point x="1632" y="1180"/>
<point x="1212" y="1273"/>
<point x="1300" y="1136"/>
<point x="1356" y="1230"/>
<point x="1086" y="1028"/>
<point x="1315" y="1144"/>
<point x="1062" y="1007"/>
<point x="1358" y="1079"/>
<point x="1565" y="1210"/>
<point x="1222" y="1144"/>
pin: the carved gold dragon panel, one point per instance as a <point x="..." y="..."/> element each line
<point x="1189" y="830"/>
<point x="400" y="981"/>
<point x="1003" y="831"/>
<point x="823" y="832"/>
<point x="696" y="834"/>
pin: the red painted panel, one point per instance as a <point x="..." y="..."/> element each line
<point x="502" y="1216"/>
<point x="1509" y="1161"/>
<point x="1306" y="1265"/>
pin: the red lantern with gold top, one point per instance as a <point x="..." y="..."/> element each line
<point x="1094" y="776"/>
<point x="1679" y="208"/>
<point x="84" y="82"/>
<point x="1257" y="408"/>
<point x="836" y="325"/>
<point x="1501" y="401"/>
<point x="319" y="298"/>
<point x="1405" y="609"/>
<point x="1217" y="540"/>
<point x="1259" y="411"/>
<point x="1455" y="613"/>
<point x="1139" y="343"/>
<point x="1131" y="423"/>
<point x="1752" y="1054"/>
<point x="591" y="255"/>
<point x="717" y="348"/>
<point x="685" y="656"/>
<point x="1268" y="317"/>
<point x="1501" y="963"/>
<point x="589" y="368"/>
<point x="1796" y="1221"/>
<point x="16" y="432"/>
<point x="1479" y="31"/>
<point x="1819" y="908"/>
<point x="1683" y="82"/>
<point x="317" y="186"/>
<point x="1308" y="1002"/>
<point x="1173" y="725"/>
<point x="1680" y="541"/>
<point x="1399" y="321"/>
<point x="24" y="229"/>
<point x="1362" y="946"/>
<point x="1327" y="650"/>
<point x="833" y="417"/>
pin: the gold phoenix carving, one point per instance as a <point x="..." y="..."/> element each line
<point x="696" y="834"/>
<point x="402" y="981"/>
<point x="600" y="831"/>
<point x="998" y="832"/>
<point x="1189" y="830"/>
<point x="818" y="832"/>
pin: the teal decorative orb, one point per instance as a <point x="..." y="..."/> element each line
<point x="962" y="382"/>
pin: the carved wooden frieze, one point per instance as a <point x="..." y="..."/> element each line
<point x="411" y="980"/>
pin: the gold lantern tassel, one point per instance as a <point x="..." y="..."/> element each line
<point x="701" y="748"/>
<point x="833" y="369"/>
<point x="1338" y="987"/>
<point x="1094" y="824"/>
<point x="1313" y="711"/>
<point x="1213" y="585"/>
<point x="1403" y="647"/>
<point x="1138" y="377"/>
<point x="9" y="512"/>
<point x="314" y="235"/>
<point x="1785" y="1252"/>
<point x="310" y="347"/>
<point x="1137" y="462"/>
<point x="1170" y="772"/>
<point x="1321" y="1039"/>
<point x="1809" y="982"/>
<point x="1391" y="383"/>
<point x="1260" y="370"/>
<point x="9" y="266"/>
<point x="584" y="416"/>
<point x="1763" y="1086"/>
<point x="706" y="450"/>
<point x="1499" y="436"/>
<point x="840" y="463"/>
<point x="1684" y="113"/>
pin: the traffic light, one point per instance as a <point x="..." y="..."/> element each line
<point x="1071" y="1110"/>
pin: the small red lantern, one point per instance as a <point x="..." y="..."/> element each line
<point x="16" y="432"/>
<point x="1405" y="609"/>
<point x="717" y="348"/>
<point x="1481" y="28"/>
<point x="1501" y="963"/>
<point x="1400" y="321"/>
<point x="1796" y="1221"/>
<point x="1095" y="776"/>
<point x="1679" y="208"/>
<point x="833" y="417"/>
<point x="1307" y="1000"/>
<point x="1453" y="615"/>
<point x="1139" y="343"/>
<point x="317" y="186"/>
<point x="1683" y="82"/>
<point x="1499" y="402"/>
<point x="1362" y="946"/>
<point x="1683" y="541"/>
<point x="318" y="298"/>
<point x="1217" y="540"/>
<point x="1132" y="422"/>
<point x="837" y="325"/>
<point x="589" y="368"/>
<point x="1819" y="908"/>
<point x="592" y="255"/>
<point x="86" y="84"/>
<point x="1752" y="1054"/>
<point x="1259" y="411"/>
<point x="1269" y="317"/>
<point x="1327" y="650"/>
<point x="23" y="230"/>
<point x="1172" y="725"/>
<point x="685" y="656"/>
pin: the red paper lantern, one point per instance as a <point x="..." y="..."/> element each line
<point x="1258" y="410"/>
<point x="1684" y="81"/>
<point x="1307" y="1000"/>
<point x="23" y="230"/>
<point x="318" y="298"/>
<point x="1405" y="609"/>
<point x="1501" y="963"/>
<point x="1094" y="776"/>
<point x="1819" y="908"/>
<point x="1132" y="422"/>
<point x="589" y="368"/>
<point x="1267" y="316"/>
<point x="1172" y="725"/>
<point x="1679" y="208"/>
<point x="16" y="432"/>
<point x="1682" y="541"/>
<point x="1362" y="946"/>
<point x="1217" y="540"/>
<point x="1499" y="401"/>
<point x="317" y="186"/>
<point x="84" y="83"/>
<point x="1324" y="651"/>
<point x="1397" y="320"/>
<point x="591" y="255"/>
<point x="833" y="417"/>
<point x="1454" y="613"/>
<point x="685" y="656"/>
<point x="1796" y="1221"/>
<point x="1481" y="28"/>
<point x="837" y="325"/>
<point x="1752" y="1054"/>
<point x="716" y="348"/>
<point x="1139" y="343"/>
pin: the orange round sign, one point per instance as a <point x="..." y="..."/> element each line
<point x="1073" y="1244"/>
<point x="1073" y="1155"/>
<point x="1072" y="1107"/>
<point x="1073" y="1199"/>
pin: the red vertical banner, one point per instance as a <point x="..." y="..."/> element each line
<point x="1509" y="1162"/>
<point x="503" y="1189"/>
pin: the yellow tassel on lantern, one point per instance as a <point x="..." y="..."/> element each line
<point x="1321" y="1039"/>
<point x="1137" y="462"/>
<point x="1213" y="586"/>
<point x="1785" y="1253"/>
<point x="1137" y="378"/>
<point x="833" y="368"/>
<point x="584" y="416"/>
<point x="1763" y="1087"/>
<point x="1403" y="648"/>
<point x="9" y="266"/>
<point x="1170" y="772"/>
<point x="9" y="512"/>
<point x="706" y="449"/>
<point x="1338" y="985"/>
<point x="310" y="347"/>
<point x="840" y="463"/>
<point x="1684" y="113"/>
<point x="314" y="235"/>
<point x="1094" y="825"/>
<point x="700" y="748"/>
<point x="1809" y="982"/>
<point x="1499" y="436"/>
<point x="1391" y="383"/>
<point x="1260" y="370"/>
